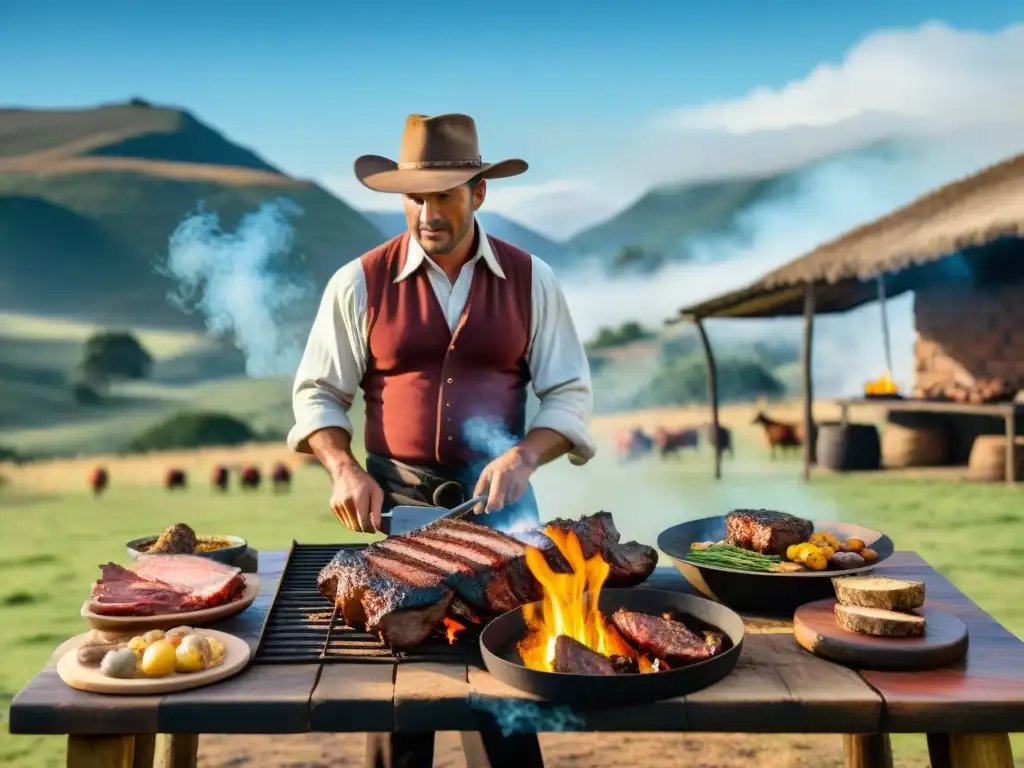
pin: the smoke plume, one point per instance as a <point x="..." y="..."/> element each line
<point x="520" y="716"/>
<point x="242" y="283"/>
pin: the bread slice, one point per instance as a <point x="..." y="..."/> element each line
<point x="879" y="592"/>
<point x="878" y="622"/>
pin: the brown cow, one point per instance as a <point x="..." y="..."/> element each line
<point x="175" y="478"/>
<point x="786" y="437"/>
<point x="675" y="441"/>
<point x="631" y="443"/>
<point x="99" y="478"/>
<point x="219" y="477"/>
<point x="281" y="477"/>
<point x="723" y="442"/>
<point x="250" y="477"/>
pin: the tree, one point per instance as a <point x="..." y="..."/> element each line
<point x="106" y="357"/>
<point x="685" y="381"/>
<point x="193" y="430"/>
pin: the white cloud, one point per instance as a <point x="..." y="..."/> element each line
<point x="932" y="78"/>
<point x="556" y="208"/>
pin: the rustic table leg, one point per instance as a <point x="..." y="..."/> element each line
<point x="980" y="750"/>
<point x="867" y="750"/>
<point x="177" y="750"/>
<point x="145" y="749"/>
<point x="100" y="751"/>
<point x="400" y="750"/>
<point x="490" y="749"/>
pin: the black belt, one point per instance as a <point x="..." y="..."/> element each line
<point x="405" y="484"/>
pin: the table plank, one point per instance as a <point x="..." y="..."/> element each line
<point x="982" y="694"/>
<point x="353" y="698"/>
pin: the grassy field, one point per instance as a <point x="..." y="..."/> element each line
<point x="55" y="540"/>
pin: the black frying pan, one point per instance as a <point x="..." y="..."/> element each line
<point x="498" y="648"/>
<point x="756" y="591"/>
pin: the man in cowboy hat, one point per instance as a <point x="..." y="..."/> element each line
<point x="442" y="328"/>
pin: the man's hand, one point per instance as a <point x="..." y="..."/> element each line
<point x="506" y="478"/>
<point x="356" y="498"/>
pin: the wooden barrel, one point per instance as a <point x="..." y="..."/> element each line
<point x="904" y="446"/>
<point x="848" y="448"/>
<point x="988" y="459"/>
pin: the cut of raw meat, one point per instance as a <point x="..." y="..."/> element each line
<point x="165" y="584"/>
<point x="475" y="571"/>
<point x="670" y="641"/>
<point x="573" y="657"/>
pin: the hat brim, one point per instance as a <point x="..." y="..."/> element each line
<point x="383" y="175"/>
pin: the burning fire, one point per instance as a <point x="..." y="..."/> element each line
<point x="452" y="629"/>
<point x="569" y="607"/>
<point x="884" y="385"/>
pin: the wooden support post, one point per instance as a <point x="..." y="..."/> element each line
<point x="177" y="750"/>
<point x="100" y="751"/>
<point x="1011" y="445"/>
<point x="867" y="750"/>
<point x="145" y="750"/>
<point x="712" y="396"/>
<point x="808" y="384"/>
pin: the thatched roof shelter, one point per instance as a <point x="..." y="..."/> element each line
<point x="885" y="257"/>
<point x="970" y="212"/>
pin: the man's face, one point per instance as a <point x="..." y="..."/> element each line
<point x="441" y="220"/>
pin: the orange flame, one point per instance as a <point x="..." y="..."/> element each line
<point x="569" y="607"/>
<point x="883" y="385"/>
<point x="452" y="629"/>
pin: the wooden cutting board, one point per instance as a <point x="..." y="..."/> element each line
<point x="86" y="678"/>
<point x="944" y="640"/>
<point x="199" y="618"/>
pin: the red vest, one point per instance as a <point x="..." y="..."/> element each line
<point x="422" y="381"/>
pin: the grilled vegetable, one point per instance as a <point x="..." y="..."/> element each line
<point x="120" y="663"/>
<point x="728" y="556"/>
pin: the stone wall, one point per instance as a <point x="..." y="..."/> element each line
<point x="965" y="333"/>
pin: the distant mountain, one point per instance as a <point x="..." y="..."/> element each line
<point x="89" y="198"/>
<point x="666" y="222"/>
<point x="392" y="223"/>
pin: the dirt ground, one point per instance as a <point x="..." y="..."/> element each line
<point x="694" y="750"/>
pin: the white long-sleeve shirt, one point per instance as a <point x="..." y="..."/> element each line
<point x="336" y="354"/>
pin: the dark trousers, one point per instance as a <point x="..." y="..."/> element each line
<point x="404" y="484"/>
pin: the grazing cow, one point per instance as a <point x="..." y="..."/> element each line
<point x="99" y="478"/>
<point x="219" y="477"/>
<point x="675" y="441"/>
<point x="175" y="478"/>
<point x="250" y="477"/>
<point x="785" y="437"/>
<point x="281" y="477"/>
<point x="631" y="443"/>
<point x="723" y="442"/>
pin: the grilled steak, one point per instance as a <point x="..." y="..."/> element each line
<point x="402" y="587"/>
<point x="765" y="531"/>
<point x="670" y="641"/>
<point x="574" y="658"/>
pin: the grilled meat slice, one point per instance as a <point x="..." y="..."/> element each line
<point x="574" y="658"/>
<point x="671" y="641"/>
<point x="630" y="563"/>
<point x="765" y="531"/>
<point x="479" y="572"/>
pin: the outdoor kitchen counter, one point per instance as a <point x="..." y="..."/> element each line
<point x="777" y="687"/>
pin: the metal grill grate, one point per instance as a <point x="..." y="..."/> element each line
<point x="301" y="627"/>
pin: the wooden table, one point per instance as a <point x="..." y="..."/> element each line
<point x="967" y="709"/>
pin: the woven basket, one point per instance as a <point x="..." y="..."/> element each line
<point x="988" y="459"/>
<point x="914" y="446"/>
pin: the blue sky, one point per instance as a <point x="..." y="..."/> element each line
<point x="311" y="85"/>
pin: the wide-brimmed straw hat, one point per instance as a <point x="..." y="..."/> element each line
<point x="437" y="153"/>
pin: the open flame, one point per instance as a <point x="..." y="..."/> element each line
<point x="452" y="629"/>
<point x="884" y="385"/>
<point x="570" y="607"/>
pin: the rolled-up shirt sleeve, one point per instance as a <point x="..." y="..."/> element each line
<point x="334" y="360"/>
<point x="559" y="367"/>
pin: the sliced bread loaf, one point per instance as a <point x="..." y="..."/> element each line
<point x="879" y="592"/>
<point x="878" y="622"/>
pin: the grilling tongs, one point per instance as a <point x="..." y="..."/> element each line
<point x="407" y="517"/>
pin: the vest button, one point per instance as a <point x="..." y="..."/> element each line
<point x="449" y="381"/>
<point x="447" y="405"/>
<point x="452" y="347"/>
<point x="449" y="438"/>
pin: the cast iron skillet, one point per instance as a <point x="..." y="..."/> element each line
<point x="755" y="591"/>
<point x="498" y="648"/>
